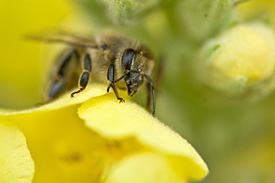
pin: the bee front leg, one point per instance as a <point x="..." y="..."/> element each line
<point x="110" y="77"/>
<point x="85" y="76"/>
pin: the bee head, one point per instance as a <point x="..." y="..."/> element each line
<point x="136" y="66"/>
<point x="132" y="64"/>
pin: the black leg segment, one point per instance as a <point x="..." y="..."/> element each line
<point x="87" y="63"/>
<point x="56" y="88"/>
<point x="153" y="92"/>
<point x="84" y="79"/>
<point x="149" y="95"/>
<point x="85" y="76"/>
<point x="64" y="66"/>
<point x="65" y="62"/>
<point x="110" y="77"/>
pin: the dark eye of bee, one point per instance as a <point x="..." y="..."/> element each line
<point x="127" y="58"/>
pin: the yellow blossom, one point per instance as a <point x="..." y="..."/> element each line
<point x="93" y="138"/>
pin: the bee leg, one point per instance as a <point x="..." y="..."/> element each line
<point x="85" y="76"/>
<point x="110" y="77"/>
<point x="153" y="93"/>
<point x="149" y="96"/>
<point x="56" y="87"/>
<point x="61" y="75"/>
<point x="156" y="84"/>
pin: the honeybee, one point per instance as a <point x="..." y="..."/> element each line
<point x="114" y="59"/>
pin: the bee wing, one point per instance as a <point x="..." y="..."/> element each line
<point x="64" y="38"/>
<point x="69" y="35"/>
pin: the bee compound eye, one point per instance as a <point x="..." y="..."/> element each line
<point x="127" y="58"/>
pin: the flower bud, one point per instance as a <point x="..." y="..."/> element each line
<point x="240" y="60"/>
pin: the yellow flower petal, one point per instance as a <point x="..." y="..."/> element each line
<point x="123" y="121"/>
<point x="16" y="164"/>
<point x="146" y="167"/>
<point x="63" y="149"/>
<point x="65" y="100"/>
